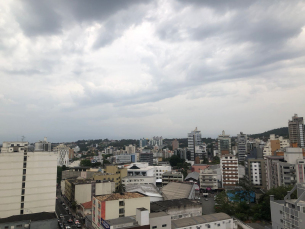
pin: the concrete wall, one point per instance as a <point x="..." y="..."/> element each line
<point x="184" y="212"/>
<point x="82" y="193"/>
<point x="159" y="221"/>
<point x="276" y="216"/>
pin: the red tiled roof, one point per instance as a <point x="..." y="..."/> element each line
<point x="87" y="205"/>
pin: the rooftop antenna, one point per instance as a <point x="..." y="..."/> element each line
<point x="22" y="138"/>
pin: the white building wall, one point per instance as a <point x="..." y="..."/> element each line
<point x="159" y="170"/>
<point x="40" y="183"/>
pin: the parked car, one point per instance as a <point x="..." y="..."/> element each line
<point x="63" y="204"/>
<point x="70" y="220"/>
<point x="206" y="199"/>
<point x="61" y="216"/>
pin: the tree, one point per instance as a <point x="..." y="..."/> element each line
<point x="59" y="174"/>
<point x="74" y="204"/>
<point x="175" y="160"/>
<point x="223" y="204"/>
<point x="106" y="162"/>
<point x="120" y="188"/>
<point x="216" y="160"/>
<point x="85" y="162"/>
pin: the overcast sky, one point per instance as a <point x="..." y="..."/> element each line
<point x="89" y="69"/>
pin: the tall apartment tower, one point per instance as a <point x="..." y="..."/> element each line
<point x="224" y="143"/>
<point x="27" y="180"/>
<point x="63" y="153"/>
<point x="242" y="146"/>
<point x="193" y="140"/>
<point x="296" y="131"/>
<point x="229" y="170"/>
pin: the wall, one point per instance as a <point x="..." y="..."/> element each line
<point x="184" y="212"/>
<point x="82" y="193"/>
<point x="276" y="217"/>
<point x="132" y="204"/>
<point x="161" y="220"/>
<point x="104" y="188"/>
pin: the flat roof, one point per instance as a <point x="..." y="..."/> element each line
<point x="164" y="205"/>
<point x="119" y="196"/>
<point x="33" y="217"/>
<point x="121" y="220"/>
<point x="186" y="222"/>
<point x="128" y="177"/>
<point x="175" y="190"/>
<point x="157" y="214"/>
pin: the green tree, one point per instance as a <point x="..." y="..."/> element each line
<point x="223" y="204"/>
<point x="120" y="188"/>
<point x="106" y="162"/>
<point x="74" y="204"/>
<point x="85" y="162"/>
<point x="59" y="174"/>
<point x="175" y="160"/>
<point x="216" y="160"/>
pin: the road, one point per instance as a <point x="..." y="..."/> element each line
<point x="207" y="205"/>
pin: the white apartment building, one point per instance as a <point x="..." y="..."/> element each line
<point x="10" y="147"/>
<point x="208" y="179"/>
<point x="140" y="169"/>
<point x="139" y="180"/>
<point x="229" y="170"/>
<point x="242" y="146"/>
<point x="63" y="154"/>
<point x="27" y="182"/>
<point x="275" y="143"/>
<point x="160" y="169"/>
<point x="43" y="145"/>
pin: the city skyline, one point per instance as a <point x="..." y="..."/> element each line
<point x="74" y="70"/>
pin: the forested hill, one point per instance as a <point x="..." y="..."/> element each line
<point x="283" y="131"/>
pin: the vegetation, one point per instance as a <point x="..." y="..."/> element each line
<point x="87" y="163"/>
<point x="244" y="211"/>
<point x="215" y="160"/>
<point x="120" y="188"/>
<point x="283" y="131"/>
<point x="59" y="173"/>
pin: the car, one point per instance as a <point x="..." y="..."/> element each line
<point x="66" y="208"/>
<point x="70" y="213"/>
<point x="68" y="227"/>
<point x="79" y="225"/>
<point x="70" y="220"/>
<point x="61" y="216"/>
<point x="206" y="199"/>
<point x="60" y="225"/>
<point x="63" y="204"/>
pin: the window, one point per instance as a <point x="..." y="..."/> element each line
<point x="23" y="185"/>
<point x="19" y="225"/>
<point x="24" y="158"/>
<point x="164" y="225"/>
<point x="22" y="198"/>
<point x="24" y="171"/>
<point x="24" y="165"/>
<point x="22" y="205"/>
<point x="121" y="203"/>
<point x="154" y="227"/>
<point x="22" y="192"/>
<point x="23" y="178"/>
<point x="121" y="210"/>
<point x="21" y="212"/>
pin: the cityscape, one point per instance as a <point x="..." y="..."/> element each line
<point x="163" y="114"/>
<point x="241" y="181"/>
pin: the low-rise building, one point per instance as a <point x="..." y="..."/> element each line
<point x="175" y="190"/>
<point x="85" y="208"/>
<point x="171" y="176"/>
<point x="192" y="177"/>
<point x="139" y="169"/>
<point x="198" y="167"/>
<point x="161" y="169"/>
<point x="147" y="157"/>
<point x="178" y="208"/>
<point x="117" y="205"/>
<point x="212" y="221"/>
<point x="81" y="190"/>
<point x="139" y="180"/>
<point x="146" y="189"/>
<point x="111" y="173"/>
<point x="208" y="179"/>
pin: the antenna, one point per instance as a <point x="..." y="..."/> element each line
<point x="22" y="138"/>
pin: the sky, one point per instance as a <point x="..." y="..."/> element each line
<point x="100" y="69"/>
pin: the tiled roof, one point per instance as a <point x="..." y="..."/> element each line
<point x="119" y="196"/>
<point x="87" y="205"/>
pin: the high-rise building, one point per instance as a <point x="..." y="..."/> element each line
<point x="130" y="149"/>
<point x="296" y="131"/>
<point x="156" y="141"/>
<point x="242" y="146"/>
<point x="63" y="154"/>
<point x="224" y="143"/>
<point x="175" y="144"/>
<point x="275" y="143"/>
<point x="229" y="170"/>
<point x="143" y="142"/>
<point x="27" y="181"/>
<point x="14" y="147"/>
<point x="43" y="145"/>
<point x="147" y="157"/>
<point x="193" y="140"/>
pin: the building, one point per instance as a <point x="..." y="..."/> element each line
<point x="224" y="143"/>
<point x="198" y="167"/>
<point x="63" y="154"/>
<point x="45" y="220"/>
<point x="275" y="143"/>
<point x="283" y="170"/>
<point x="201" y="151"/>
<point x="175" y="144"/>
<point x="255" y="168"/>
<point x="289" y="213"/>
<point x="141" y="169"/>
<point x="178" y="191"/>
<point x="161" y="169"/>
<point x="81" y="190"/>
<point x="14" y="147"/>
<point x="212" y="221"/>
<point x="229" y="170"/>
<point x="43" y="145"/>
<point x="296" y="131"/>
<point x="192" y="177"/>
<point x="156" y="141"/>
<point x="160" y="220"/>
<point x="146" y="189"/>
<point x="130" y="149"/>
<point x="177" y="208"/>
<point x="111" y="173"/>
<point x="193" y="140"/>
<point x="85" y="208"/>
<point x="139" y="180"/>
<point x="77" y="172"/>
<point x="28" y="181"/>
<point x="208" y="179"/>
<point x="242" y="146"/>
<point x="117" y="205"/>
<point x="143" y="142"/>
<point x="171" y="176"/>
<point x="147" y="157"/>
<point x="123" y="158"/>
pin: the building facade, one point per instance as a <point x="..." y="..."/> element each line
<point x="43" y="145"/>
<point x="224" y="143"/>
<point x="193" y="140"/>
<point x="27" y="182"/>
<point x="242" y="146"/>
<point x="111" y="173"/>
<point x="296" y="131"/>
<point x="63" y="154"/>
<point x="14" y="147"/>
<point x="208" y="179"/>
<point x="147" y="157"/>
<point x="229" y="170"/>
<point x="171" y="176"/>
<point x="139" y="180"/>
<point x="175" y="144"/>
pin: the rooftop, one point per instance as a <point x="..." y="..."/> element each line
<point x="175" y="190"/>
<point x="121" y="220"/>
<point x="119" y="196"/>
<point x="33" y="217"/>
<point x="186" y="222"/>
<point x="164" y="205"/>
<point x="157" y="214"/>
<point x="87" y="205"/>
<point x="145" y="189"/>
<point x="193" y="175"/>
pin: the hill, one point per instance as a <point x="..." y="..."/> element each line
<point x="283" y="131"/>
